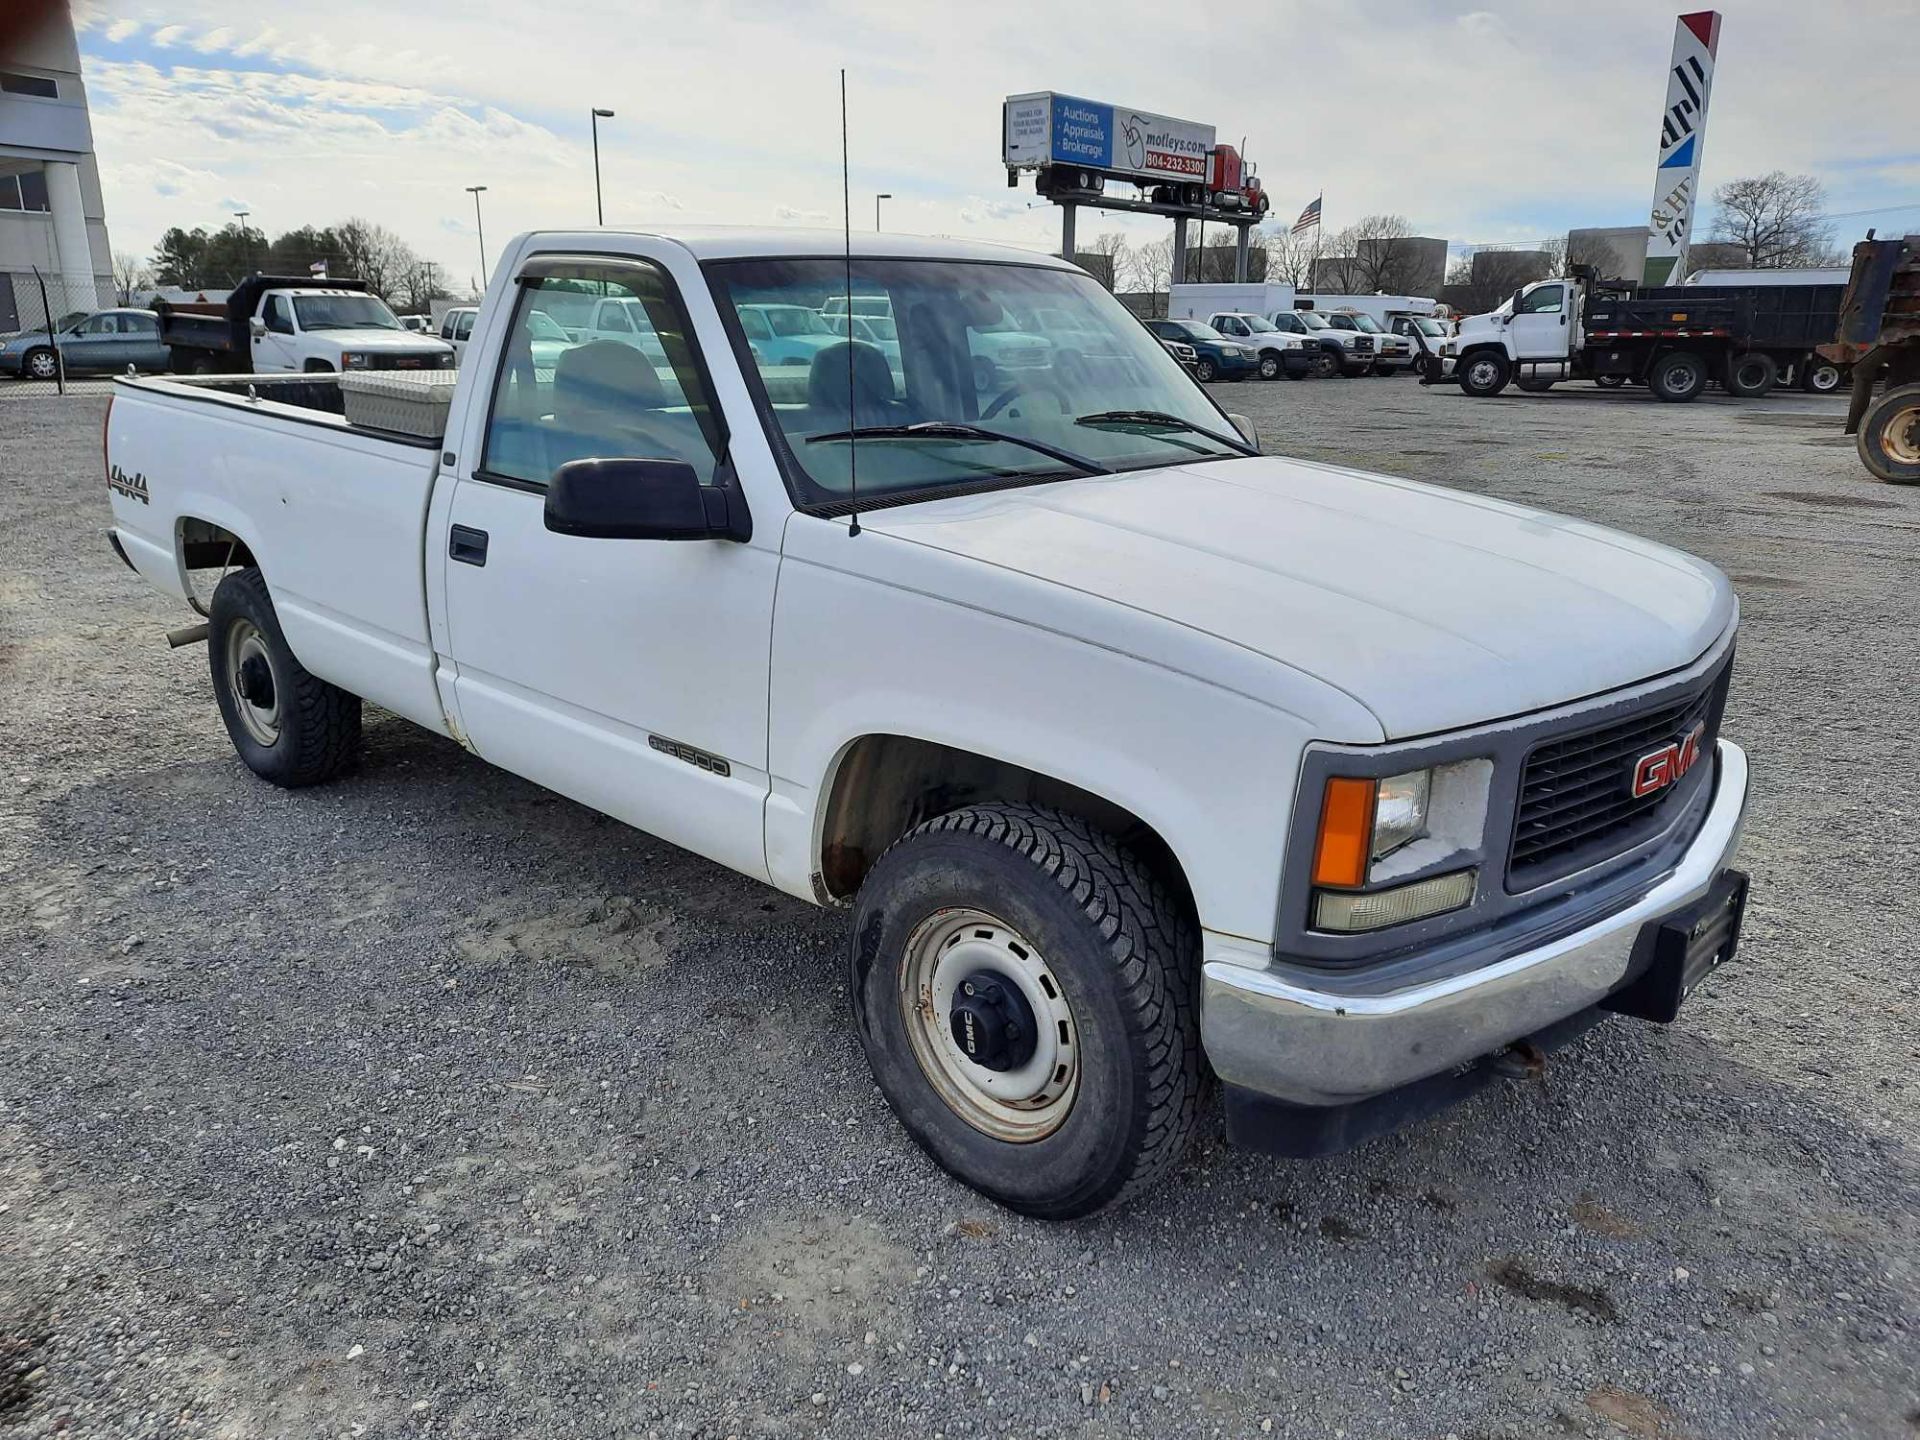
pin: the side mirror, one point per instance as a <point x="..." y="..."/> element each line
<point x="630" y="499"/>
<point x="256" y="327"/>
<point x="1246" y="429"/>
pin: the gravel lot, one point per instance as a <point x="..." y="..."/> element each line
<point x="427" y="1103"/>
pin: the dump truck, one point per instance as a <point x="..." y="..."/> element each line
<point x="1879" y="336"/>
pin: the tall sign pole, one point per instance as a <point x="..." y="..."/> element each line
<point x="1683" y="133"/>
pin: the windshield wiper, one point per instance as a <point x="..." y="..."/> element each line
<point x="959" y="430"/>
<point x="1165" y="420"/>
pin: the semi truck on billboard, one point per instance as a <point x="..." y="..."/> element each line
<point x="1092" y="141"/>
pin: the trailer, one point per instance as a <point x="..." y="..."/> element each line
<point x="1879" y="336"/>
<point x="1675" y="340"/>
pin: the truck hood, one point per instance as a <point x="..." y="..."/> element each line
<point x="1431" y="608"/>
<point x="406" y="342"/>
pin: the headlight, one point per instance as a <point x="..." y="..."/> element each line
<point x="1374" y="832"/>
<point x="355" y="360"/>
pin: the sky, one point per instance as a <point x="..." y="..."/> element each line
<point x="1495" y="125"/>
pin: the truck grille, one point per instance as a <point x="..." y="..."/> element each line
<point x="1577" y="806"/>
<point x="1364" y="345"/>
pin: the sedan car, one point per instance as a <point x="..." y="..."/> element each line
<point x="106" y="341"/>
<point x="1216" y="357"/>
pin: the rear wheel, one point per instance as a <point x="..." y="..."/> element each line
<point x="1485" y="372"/>
<point x="1819" y="377"/>
<point x="1610" y="382"/>
<point x="1889" y="438"/>
<point x="1534" y="385"/>
<point x="290" y="727"/>
<point x="1025" y="993"/>
<point x="1751" y="375"/>
<point x="1678" y="376"/>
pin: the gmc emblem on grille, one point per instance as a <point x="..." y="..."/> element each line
<point x="1660" y="768"/>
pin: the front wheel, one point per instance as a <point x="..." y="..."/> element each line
<point x="1269" y="367"/>
<point x="1026" y="995"/>
<point x="1380" y="369"/>
<point x="1889" y="437"/>
<point x="290" y="726"/>
<point x="1610" y="382"/>
<point x="1678" y="376"/>
<point x="1204" y="371"/>
<point x="1326" y="364"/>
<point x="41" y="364"/>
<point x="1485" y="372"/>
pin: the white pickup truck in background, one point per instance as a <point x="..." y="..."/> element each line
<point x="274" y="325"/>
<point x="1132" y="752"/>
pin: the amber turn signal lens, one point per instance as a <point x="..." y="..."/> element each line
<point x="1346" y="833"/>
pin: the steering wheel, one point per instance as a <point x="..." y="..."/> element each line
<point x="1015" y="391"/>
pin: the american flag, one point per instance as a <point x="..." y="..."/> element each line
<point x="1309" y="217"/>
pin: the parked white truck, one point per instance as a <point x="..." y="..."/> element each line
<point x="1133" y="753"/>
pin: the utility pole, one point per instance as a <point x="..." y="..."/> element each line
<point x="876" y="211"/>
<point x="599" y="210"/>
<point x="474" y="190"/>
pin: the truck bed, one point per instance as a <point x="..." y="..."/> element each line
<point x="271" y="460"/>
<point x="1771" y="316"/>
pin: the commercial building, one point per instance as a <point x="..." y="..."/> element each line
<point x="51" y="215"/>
<point x="1402" y="265"/>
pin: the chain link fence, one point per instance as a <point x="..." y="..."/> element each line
<point x="58" y="338"/>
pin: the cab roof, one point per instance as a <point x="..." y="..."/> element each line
<point x="739" y="242"/>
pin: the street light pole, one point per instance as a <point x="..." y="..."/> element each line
<point x="599" y="210"/>
<point x="474" y="190"/>
<point x="876" y="211"/>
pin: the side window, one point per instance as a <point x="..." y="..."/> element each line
<point x="557" y="399"/>
<point x="279" y="315"/>
<point x="1544" y="301"/>
<point x="464" y="331"/>
<point x="446" y="325"/>
<point x="613" y="320"/>
<point x="144" y="325"/>
<point x="98" y="325"/>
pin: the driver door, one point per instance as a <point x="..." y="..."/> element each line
<point x="273" y="351"/>
<point x="628" y="674"/>
<point x="1539" y="327"/>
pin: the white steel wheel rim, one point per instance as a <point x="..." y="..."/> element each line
<point x="1482" y="372"/>
<point x="1020" y="1105"/>
<point x="43" y="365"/>
<point x="1902" y="435"/>
<point x="1824" y="377"/>
<point x="245" y="642"/>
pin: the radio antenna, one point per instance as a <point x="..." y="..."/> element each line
<point x="846" y="218"/>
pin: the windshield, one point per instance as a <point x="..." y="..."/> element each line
<point x="1367" y="323"/>
<point x="344" y="312"/>
<point x="542" y="326"/>
<point x="1431" y="327"/>
<point x="1260" y="326"/>
<point x="961" y="362"/>
<point x="1312" y="320"/>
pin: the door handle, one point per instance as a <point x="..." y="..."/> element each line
<point x="467" y="545"/>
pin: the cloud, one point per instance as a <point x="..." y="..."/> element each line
<point x="391" y="110"/>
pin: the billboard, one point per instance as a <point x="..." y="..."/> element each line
<point x="1049" y="129"/>
<point x="1683" y="133"/>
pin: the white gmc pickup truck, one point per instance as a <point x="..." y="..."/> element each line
<point x="1135" y="754"/>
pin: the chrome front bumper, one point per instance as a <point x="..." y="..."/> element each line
<point x="1296" y="1035"/>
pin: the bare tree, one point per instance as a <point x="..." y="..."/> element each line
<point x="1482" y="281"/>
<point x="1149" y="271"/>
<point x="1289" y="256"/>
<point x="130" y="274"/>
<point x="1381" y="255"/>
<point x="1775" y="220"/>
<point x="376" y="255"/>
